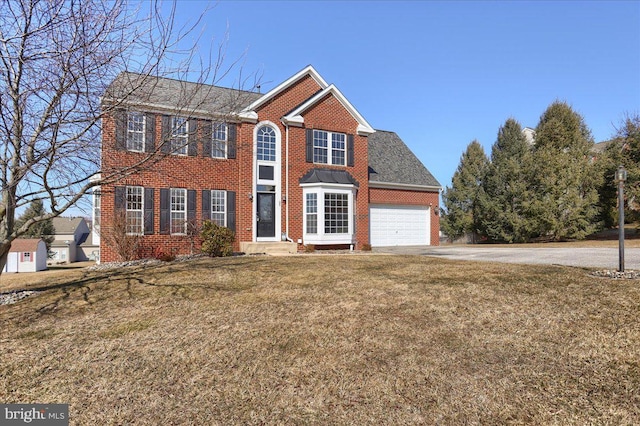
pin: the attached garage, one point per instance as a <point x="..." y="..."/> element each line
<point x="394" y="225"/>
<point x="403" y="195"/>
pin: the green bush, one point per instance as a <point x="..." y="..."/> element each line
<point x="216" y="240"/>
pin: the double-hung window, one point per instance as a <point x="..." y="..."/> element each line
<point x="136" y="128"/>
<point x="312" y="213"/>
<point x="329" y="147"/>
<point x="219" y="207"/>
<point x="134" y="210"/>
<point x="219" y="140"/>
<point x="179" y="135"/>
<point x="178" y="211"/>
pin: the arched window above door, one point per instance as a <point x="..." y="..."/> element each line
<point x="266" y="143"/>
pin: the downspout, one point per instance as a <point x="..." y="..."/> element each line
<point x="287" y="181"/>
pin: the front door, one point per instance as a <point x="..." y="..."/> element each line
<point x="266" y="217"/>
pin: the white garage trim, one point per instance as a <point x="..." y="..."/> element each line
<point x="399" y="225"/>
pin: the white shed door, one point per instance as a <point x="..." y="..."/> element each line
<point x="399" y="225"/>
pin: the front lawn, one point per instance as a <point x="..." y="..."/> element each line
<point x="344" y="339"/>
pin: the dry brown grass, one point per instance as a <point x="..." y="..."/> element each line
<point x="349" y="339"/>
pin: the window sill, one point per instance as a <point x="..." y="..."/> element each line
<point x="329" y="239"/>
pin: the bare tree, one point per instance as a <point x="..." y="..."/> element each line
<point x="58" y="60"/>
<point x="117" y="235"/>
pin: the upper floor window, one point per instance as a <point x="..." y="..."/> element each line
<point x="219" y="140"/>
<point x="136" y="129"/>
<point x="179" y="135"/>
<point x="266" y="138"/>
<point x="329" y="147"/>
<point x="134" y="210"/>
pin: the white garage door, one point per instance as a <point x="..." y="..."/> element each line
<point x="399" y="225"/>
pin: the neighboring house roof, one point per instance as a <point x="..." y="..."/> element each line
<point x="66" y="225"/>
<point x="328" y="176"/>
<point x="24" y="245"/>
<point x="88" y="241"/>
<point x="391" y="162"/>
<point x="168" y="94"/>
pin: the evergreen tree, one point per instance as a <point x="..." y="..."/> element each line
<point x="460" y="200"/>
<point x="564" y="178"/>
<point x="624" y="149"/>
<point x="43" y="229"/>
<point x="504" y="201"/>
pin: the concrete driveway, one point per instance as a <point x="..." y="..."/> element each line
<point x="605" y="258"/>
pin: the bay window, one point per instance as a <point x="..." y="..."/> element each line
<point x="328" y="214"/>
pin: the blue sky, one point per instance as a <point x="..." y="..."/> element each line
<point x="442" y="74"/>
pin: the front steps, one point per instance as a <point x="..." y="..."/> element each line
<point x="276" y="248"/>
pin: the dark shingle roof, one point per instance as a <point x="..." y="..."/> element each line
<point x="391" y="161"/>
<point x="328" y="176"/>
<point x="170" y="93"/>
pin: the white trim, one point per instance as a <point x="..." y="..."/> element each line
<point x="277" y="182"/>
<point x="321" y="189"/>
<point x="295" y="118"/>
<point x="249" y="111"/>
<point x="406" y="186"/>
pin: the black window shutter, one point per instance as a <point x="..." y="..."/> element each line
<point x="206" y="138"/>
<point x="120" y="122"/>
<point x="191" y="204"/>
<point x="150" y="133"/>
<point x="165" y="146"/>
<point x="231" y="210"/>
<point x="120" y="202"/>
<point x="193" y="138"/>
<point x="231" y="140"/>
<point x="165" y="208"/>
<point x="206" y="205"/>
<point x="350" y="158"/>
<point x="148" y="211"/>
<point x="309" y="142"/>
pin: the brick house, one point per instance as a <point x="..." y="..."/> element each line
<point x="296" y="166"/>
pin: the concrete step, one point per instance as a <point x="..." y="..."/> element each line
<point x="272" y="248"/>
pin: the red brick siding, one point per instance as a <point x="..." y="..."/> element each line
<point x="197" y="173"/>
<point x="200" y="173"/>
<point x="330" y="115"/>
<point x="411" y="198"/>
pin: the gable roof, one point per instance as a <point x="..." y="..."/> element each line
<point x="66" y="225"/>
<point x="249" y="112"/>
<point x="25" y="245"/>
<point x="392" y="163"/>
<point x="168" y="94"/>
<point x="294" y="117"/>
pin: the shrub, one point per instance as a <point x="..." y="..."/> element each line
<point x="162" y="255"/>
<point x="309" y="248"/>
<point x="216" y="240"/>
<point x="366" y="247"/>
